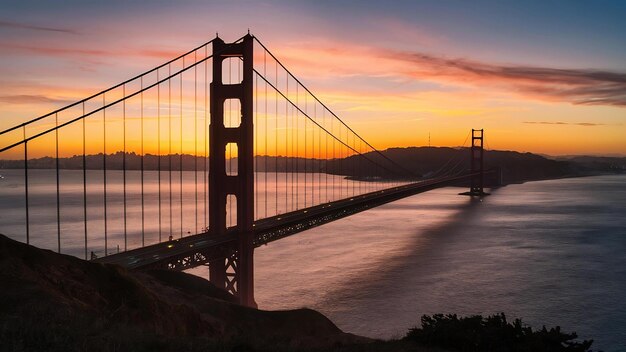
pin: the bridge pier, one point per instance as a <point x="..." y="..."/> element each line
<point x="477" y="165"/>
<point x="234" y="272"/>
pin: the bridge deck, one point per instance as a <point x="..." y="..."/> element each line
<point x="199" y="249"/>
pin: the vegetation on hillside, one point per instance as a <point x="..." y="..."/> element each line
<point x="492" y="334"/>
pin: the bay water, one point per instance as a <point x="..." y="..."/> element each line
<point x="551" y="252"/>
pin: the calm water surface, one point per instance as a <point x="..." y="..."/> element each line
<point x="551" y="252"/>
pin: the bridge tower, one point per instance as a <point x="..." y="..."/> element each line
<point x="234" y="272"/>
<point x="476" y="164"/>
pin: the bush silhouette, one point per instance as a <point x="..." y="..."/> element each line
<point x="493" y="334"/>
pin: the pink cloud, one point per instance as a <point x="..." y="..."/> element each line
<point x="324" y="59"/>
<point x="79" y="52"/>
<point x="577" y="86"/>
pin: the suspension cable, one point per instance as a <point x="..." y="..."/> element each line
<point x="337" y="117"/>
<point x="316" y="123"/>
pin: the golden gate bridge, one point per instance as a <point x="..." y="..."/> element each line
<point x="197" y="162"/>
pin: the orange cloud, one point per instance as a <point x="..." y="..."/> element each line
<point x="585" y="124"/>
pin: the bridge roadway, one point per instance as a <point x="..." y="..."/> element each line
<point x="195" y="250"/>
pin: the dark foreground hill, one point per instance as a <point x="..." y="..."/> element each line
<point x="53" y="302"/>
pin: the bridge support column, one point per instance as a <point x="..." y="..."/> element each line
<point x="234" y="272"/>
<point x="477" y="165"/>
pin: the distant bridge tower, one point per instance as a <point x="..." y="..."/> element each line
<point x="477" y="165"/>
<point x="234" y="272"/>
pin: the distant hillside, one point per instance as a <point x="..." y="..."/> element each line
<point x="436" y="161"/>
<point x="515" y="166"/>
<point x="598" y="163"/>
<point x="113" y="162"/>
<point x="416" y="161"/>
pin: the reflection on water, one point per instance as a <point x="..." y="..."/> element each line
<point x="173" y="204"/>
<point x="551" y="252"/>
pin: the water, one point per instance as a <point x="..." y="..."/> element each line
<point x="550" y="252"/>
<point x="176" y="205"/>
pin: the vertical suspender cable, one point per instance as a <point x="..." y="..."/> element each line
<point x="313" y="155"/>
<point x="159" y="153"/>
<point x="206" y="129"/>
<point x="360" y="171"/>
<point x="313" y="160"/>
<point x="325" y="156"/>
<point x="56" y="136"/>
<point x="265" y="118"/>
<point x="294" y="156"/>
<point x="286" y="147"/>
<point x="195" y="139"/>
<point x="354" y="161"/>
<point x="319" y="163"/>
<point x="297" y="149"/>
<point x="84" y="182"/>
<point x="143" y="213"/>
<point x="305" y="148"/>
<point x="26" y="186"/>
<point x="346" y="165"/>
<point x="346" y="160"/>
<point x="104" y="174"/>
<point x="124" y="163"/>
<point x="169" y="119"/>
<point x="341" y="165"/>
<point x="276" y="143"/>
<point x="352" y="164"/>
<point x="180" y="158"/>
<point x="358" y="167"/>
<point x="332" y="128"/>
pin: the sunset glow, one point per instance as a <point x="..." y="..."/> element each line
<point x="387" y="69"/>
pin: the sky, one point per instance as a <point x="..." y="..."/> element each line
<point x="539" y="76"/>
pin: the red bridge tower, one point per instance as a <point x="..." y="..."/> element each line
<point x="235" y="272"/>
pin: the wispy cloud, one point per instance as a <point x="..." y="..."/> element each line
<point x="8" y="24"/>
<point x="53" y="51"/>
<point x="586" y="124"/>
<point x="161" y="54"/>
<point x="577" y="86"/>
<point x="81" y="52"/>
<point x="31" y="99"/>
